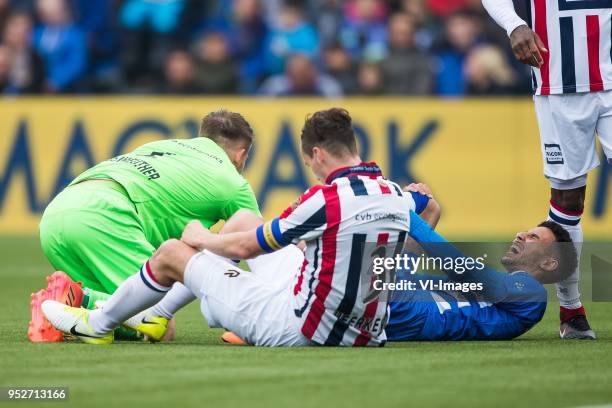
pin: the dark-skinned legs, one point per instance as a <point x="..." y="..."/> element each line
<point x="572" y="200"/>
<point x="566" y="208"/>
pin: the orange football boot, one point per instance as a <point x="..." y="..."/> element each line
<point x="232" y="338"/>
<point x="62" y="289"/>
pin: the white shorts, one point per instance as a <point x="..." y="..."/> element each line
<point x="257" y="308"/>
<point x="568" y="124"/>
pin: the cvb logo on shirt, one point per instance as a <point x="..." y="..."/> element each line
<point x="553" y="154"/>
<point x="377" y="216"/>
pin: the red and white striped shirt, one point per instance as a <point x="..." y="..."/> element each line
<point x="356" y="206"/>
<point x="578" y="35"/>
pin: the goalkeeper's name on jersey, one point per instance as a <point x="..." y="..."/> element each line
<point x="428" y="284"/>
<point x="142" y="166"/>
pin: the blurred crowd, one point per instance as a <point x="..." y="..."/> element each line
<point x="255" y="47"/>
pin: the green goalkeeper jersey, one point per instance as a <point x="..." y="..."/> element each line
<point x="172" y="182"/>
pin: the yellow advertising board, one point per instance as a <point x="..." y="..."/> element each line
<point x="481" y="157"/>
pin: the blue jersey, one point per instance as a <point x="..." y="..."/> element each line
<point x="508" y="306"/>
<point x="444" y="315"/>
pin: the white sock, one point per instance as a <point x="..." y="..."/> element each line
<point x="568" y="291"/>
<point x="177" y="298"/>
<point x="136" y="294"/>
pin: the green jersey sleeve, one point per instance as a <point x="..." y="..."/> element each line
<point x="243" y="198"/>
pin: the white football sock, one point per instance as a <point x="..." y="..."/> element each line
<point x="568" y="291"/>
<point x="136" y="294"/>
<point x="177" y="298"/>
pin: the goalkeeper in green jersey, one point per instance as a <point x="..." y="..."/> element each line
<point x="111" y="218"/>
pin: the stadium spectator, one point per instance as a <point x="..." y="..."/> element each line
<point x="215" y="72"/>
<point x="370" y="79"/>
<point x="179" y="74"/>
<point x="329" y="17"/>
<point x="406" y="70"/>
<point x="5" y="11"/>
<point x="460" y="35"/>
<point x="301" y="78"/>
<point x="149" y="33"/>
<point x="416" y="8"/>
<point x="490" y="30"/>
<point x="444" y="8"/>
<point x="364" y="33"/>
<point x="248" y="29"/>
<point x="243" y="26"/>
<point x="294" y="35"/>
<point x="488" y="73"/>
<point x="23" y="5"/>
<point x="62" y="46"/>
<point x="27" y="74"/>
<point x="338" y="63"/>
<point x="425" y="24"/>
<point x="420" y="46"/>
<point x="5" y="68"/>
<point x="95" y="18"/>
<point x="271" y="11"/>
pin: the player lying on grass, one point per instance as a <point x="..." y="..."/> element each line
<point x="110" y="219"/>
<point x="322" y="305"/>
<point x="508" y="305"/>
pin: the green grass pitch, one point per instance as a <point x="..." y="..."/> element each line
<point x="197" y="370"/>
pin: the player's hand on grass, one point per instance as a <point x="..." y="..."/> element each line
<point x="195" y="235"/>
<point x="527" y="46"/>
<point x="419" y="188"/>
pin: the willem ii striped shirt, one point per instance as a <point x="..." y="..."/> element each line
<point x="578" y="36"/>
<point x="357" y="205"/>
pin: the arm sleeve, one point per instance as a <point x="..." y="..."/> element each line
<point x="306" y="221"/>
<point x="75" y="60"/>
<point x="525" y="298"/>
<point x="436" y="246"/>
<point x="430" y="240"/>
<point x="502" y="11"/>
<point x="497" y="286"/>
<point x="244" y="198"/>
<point x="420" y="201"/>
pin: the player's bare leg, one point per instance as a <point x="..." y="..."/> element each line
<point x="136" y="294"/>
<point x="567" y="206"/>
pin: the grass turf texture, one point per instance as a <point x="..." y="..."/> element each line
<point x="198" y="370"/>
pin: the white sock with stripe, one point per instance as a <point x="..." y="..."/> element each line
<point x="136" y="294"/>
<point x="177" y="298"/>
<point x="568" y="291"/>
